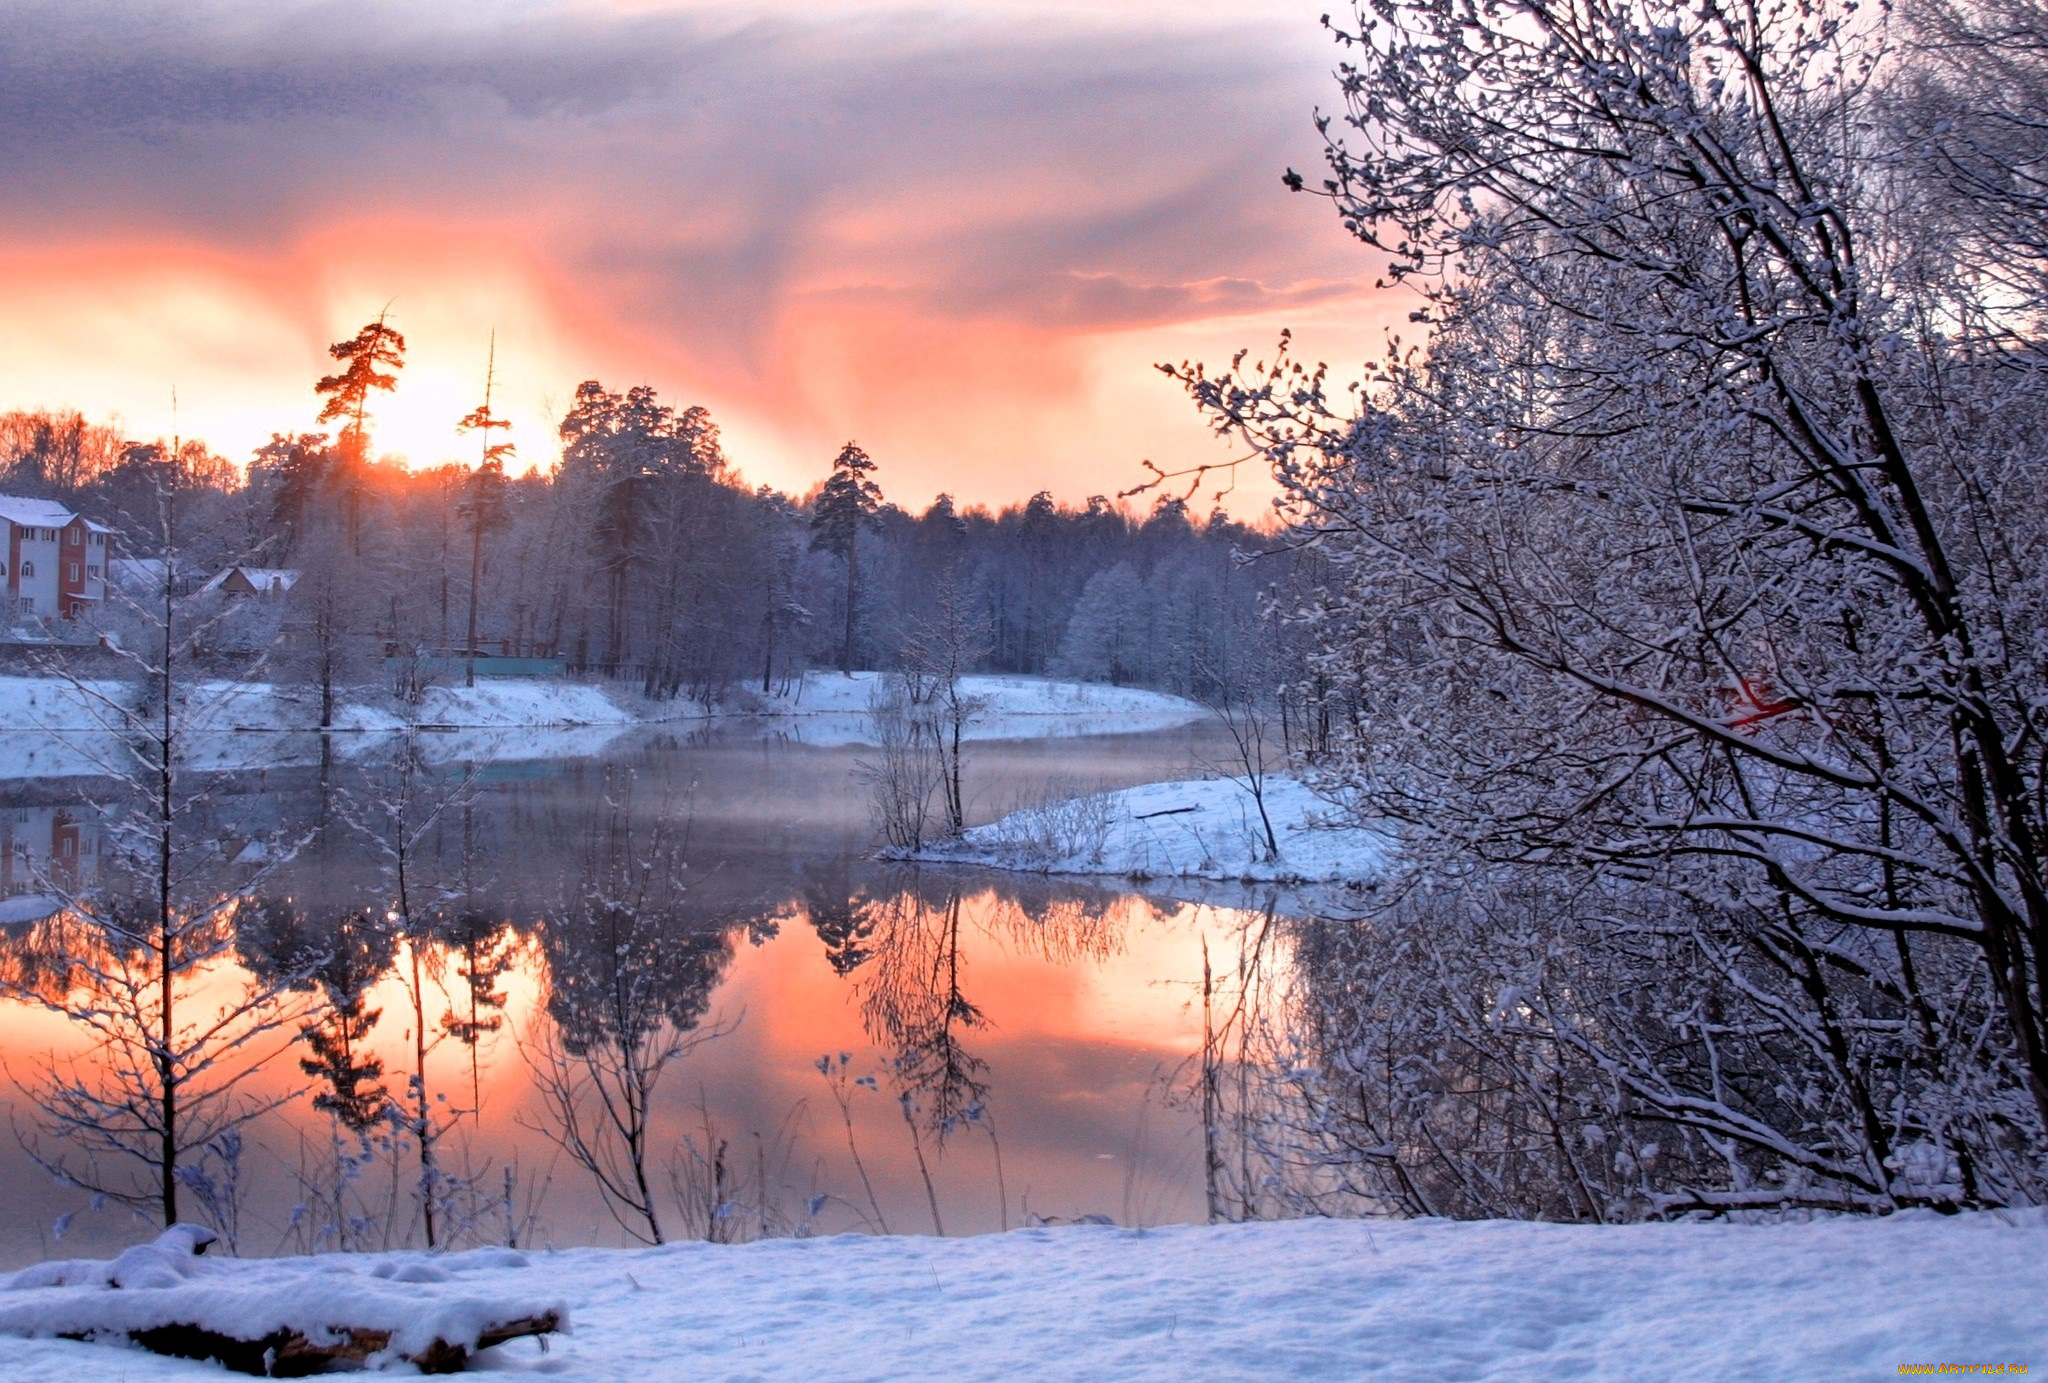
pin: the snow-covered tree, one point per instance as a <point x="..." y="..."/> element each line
<point x="1680" y="585"/>
<point x="1105" y="639"/>
<point x="141" y="959"/>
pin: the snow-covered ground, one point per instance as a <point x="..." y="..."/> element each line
<point x="1315" y="1299"/>
<point x="495" y="703"/>
<point x="1206" y="828"/>
<point x="830" y="708"/>
<point x="52" y="728"/>
<point x="56" y="704"/>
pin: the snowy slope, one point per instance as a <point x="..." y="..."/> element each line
<point x="52" y="703"/>
<point x="496" y="703"/>
<point x="830" y="708"/>
<point x="52" y="728"/>
<point x="1319" y="1299"/>
<point x="1198" y="829"/>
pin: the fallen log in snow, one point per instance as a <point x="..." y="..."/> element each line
<point x="278" y="1318"/>
<point x="289" y="1354"/>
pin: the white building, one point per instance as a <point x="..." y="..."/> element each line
<point x="56" y="561"/>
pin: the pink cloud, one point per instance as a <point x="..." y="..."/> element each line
<point x="954" y="239"/>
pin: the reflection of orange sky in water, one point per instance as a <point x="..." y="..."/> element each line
<point x="1075" y="1042"/>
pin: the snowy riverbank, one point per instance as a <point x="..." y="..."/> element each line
<point x="1195" y="829"/>
<point x="1316" y="1299"/>
<point x="51" y="727"/>
<point x="57" y="705"/>
<point x="55" y="728"/>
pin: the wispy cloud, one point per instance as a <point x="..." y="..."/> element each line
<point x="702" y="183"/>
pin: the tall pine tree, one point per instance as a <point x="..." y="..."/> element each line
<point x="372" y="360"/>
<point x="483" y="499"/>
<point x="844" y="506"/>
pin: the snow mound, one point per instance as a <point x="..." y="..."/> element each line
<point x="499" y="703"/>
<point x="1196" y="829"/>
<point x="831" y="708"/>
<point x="410" y="1305"/>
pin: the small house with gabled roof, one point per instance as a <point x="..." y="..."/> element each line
<point x="270" y="581"/>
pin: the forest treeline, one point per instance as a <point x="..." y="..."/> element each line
<point x="642" y="554"/>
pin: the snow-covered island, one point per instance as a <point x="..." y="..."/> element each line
<point x="833" y="708"/>
<point x="1204" y="828"/>
<point x="1306" y="1299"/>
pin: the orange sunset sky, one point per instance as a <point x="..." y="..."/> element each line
<point x="961" y="233"/>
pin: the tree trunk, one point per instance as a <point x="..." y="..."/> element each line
<point x="423" y="1110"/>
<point x="852" y="596"/>
<point x="167" y="1071"/>
<point x="476" y="566"/>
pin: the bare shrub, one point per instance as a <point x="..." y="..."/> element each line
<point x="1064" y="822"/>
<point x="906" y="770"/>
<point x="734" y="1189"/>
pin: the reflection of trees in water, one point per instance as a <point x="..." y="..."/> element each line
<point x="905" y="953"/>
<point x="1064" y="924"/>
<point x="160" y="1086"/>
<point x="344" y="959"/>
<point x="618" y="972"/>
<point x="485" y="951"/>
<point x="839" y="914"/>
<point x="362" y="952"/>
<point x="912" y="1003"/>
<point x="629" y="983"/>
<point x="630" y="958"/>
<point x="399" y="812"/>
<point x="903" y="946"/>
<point x="36" y="960"/>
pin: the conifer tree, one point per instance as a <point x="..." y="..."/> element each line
<point x="483" y="500"/>
<point x="847" y="502"/>
<point x="372" y="357"/>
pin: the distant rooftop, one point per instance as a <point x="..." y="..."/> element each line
<point x="259" y="578"/>
<point x="36" y="513"/>
<point x="41" y="513"/>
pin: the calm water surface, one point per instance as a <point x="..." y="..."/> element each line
<point x="997" y="1046"/>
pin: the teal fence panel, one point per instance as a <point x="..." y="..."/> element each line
<point x="442" y="668"/>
